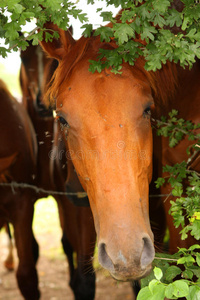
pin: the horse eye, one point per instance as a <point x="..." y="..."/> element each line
<point x="63" y="122"/>
<point x="147" y="112"/>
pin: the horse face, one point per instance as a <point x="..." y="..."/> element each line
<point x="104" y="118"/>
<point x="106" y="123"/>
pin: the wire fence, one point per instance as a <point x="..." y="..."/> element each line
<point x="15" y="185"/>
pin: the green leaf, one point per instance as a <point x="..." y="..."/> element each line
<point x="161" y="5"/>
<point x="82" y="17"/>
<point x="88" y="30"/>
<point x="158" y="273"/>
<point x="105" y="33"/>
<point x="18" y="8"/>
<point x="177" y="191"/>
<point x="181" y="261"/>
<point x="153" y="283"/>
<point x="173" y="142"/>
<point x="194" y="247"/>
<point x="95" y="66"/>
<point x="123" y="33"/>
<point x="181" y="288"/>
<point x="107" y="16"/>
<point x="195" y="229"/>
<point x="3" y="52"/>
<point x="144" y="294"/>
<point x="174" y="18"/>
<point x="169" y="291"/>
<point x="147" y="33"/>
<point x="172" y="272"/>
<point x="159" y="182"/>
<point x="194" y="292"/>
<point x="198" y="259"/>
<point x="187" y="274"/>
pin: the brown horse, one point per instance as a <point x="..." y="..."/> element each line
<point x="18" y="151"/>
<point x="105" y="118"/>
<point x="77" y="223"/>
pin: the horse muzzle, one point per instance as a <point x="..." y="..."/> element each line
<point x="133" y="265"/>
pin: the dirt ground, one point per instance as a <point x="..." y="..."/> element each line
<point x="53" y="273"/>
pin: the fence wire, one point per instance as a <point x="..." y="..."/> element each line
<point x="14" y="185"/>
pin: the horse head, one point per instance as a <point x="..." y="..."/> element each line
<point x="105" y="120"/>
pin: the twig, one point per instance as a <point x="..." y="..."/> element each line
<point x="164" y="258"/>
<point x="158" y="122"/>
<point x="25" y="38"/>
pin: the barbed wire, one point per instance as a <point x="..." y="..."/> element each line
<point x="13" y="185"/>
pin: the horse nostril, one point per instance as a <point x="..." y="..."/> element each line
<point x="148" y="252"/>
<point x="104" y="259"/>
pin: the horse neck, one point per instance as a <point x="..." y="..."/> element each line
<point x="177" y="88"/>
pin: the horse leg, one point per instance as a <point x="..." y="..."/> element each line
<point x="26" y="245"/>
<point x="9" y="261"/>
<point x="67" y="247"/>
<point x="78" y="237"/>
<point x="84" y="279"/>
<point x="35" y="249"/>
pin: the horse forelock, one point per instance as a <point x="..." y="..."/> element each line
<point x="64" y="67"/>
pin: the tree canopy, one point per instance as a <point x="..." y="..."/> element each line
<point x="168" y="30"/>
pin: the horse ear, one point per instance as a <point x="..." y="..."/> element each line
<point x="58" y="47"/>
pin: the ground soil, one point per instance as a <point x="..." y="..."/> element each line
<point x="53" y="274"/>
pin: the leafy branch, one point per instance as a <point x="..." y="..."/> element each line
<point x="15" y="14"/>
<point x="154" y="30"/>
<point x="164" y="283"/>
<point x="176" y="276"/>
<point x="186" y="208"/>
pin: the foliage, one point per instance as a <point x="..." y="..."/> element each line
<point x="186" y="208"/>
<point x="165" y="281"/>
<point x="144" y="29"/>
<point x="14" y="14"/>
<point x="153" y="29"/>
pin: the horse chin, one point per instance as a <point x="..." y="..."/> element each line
<point x="130" y="277"/>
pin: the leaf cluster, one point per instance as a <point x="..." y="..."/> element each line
<point x="174" y="281"/>
<point x="186" y="208"/>
<point x="176" y="129"/>
<point x="156" y="30"/>
<point x="14" y="14"/>
<point x="152" y="29"/>
<point x="164" y="282"/>
<point x="177" y="276"/>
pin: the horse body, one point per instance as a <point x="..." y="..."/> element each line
<point x="18" y="152"/>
